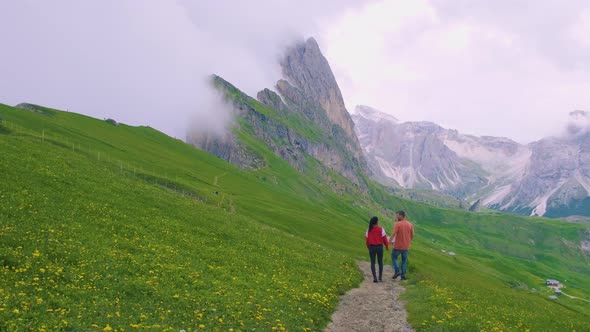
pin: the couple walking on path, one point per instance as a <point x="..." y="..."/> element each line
<point x="401" y="237"/>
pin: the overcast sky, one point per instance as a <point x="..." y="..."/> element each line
<point x="505" y="68"/>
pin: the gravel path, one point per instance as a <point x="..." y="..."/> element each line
<point x="371" y="307"/>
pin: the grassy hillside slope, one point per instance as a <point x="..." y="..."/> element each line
<point x="121" y="243"/>
<point x="116" y="227"/>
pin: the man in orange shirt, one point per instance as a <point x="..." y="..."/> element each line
<point x="402" y="235"/>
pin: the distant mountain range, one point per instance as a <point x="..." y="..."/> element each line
<point x="549" y="177"/>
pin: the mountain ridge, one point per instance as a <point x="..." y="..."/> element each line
<point x="305" y="117"/>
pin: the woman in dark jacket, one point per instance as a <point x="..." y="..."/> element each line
<point x="375" y="239"/>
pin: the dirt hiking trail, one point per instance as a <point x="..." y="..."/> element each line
<point x="372" y="307"/>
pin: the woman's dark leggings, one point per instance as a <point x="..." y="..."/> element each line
<point x="376" y="251"/>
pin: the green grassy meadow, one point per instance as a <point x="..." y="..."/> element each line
<point x="119" y="228"/>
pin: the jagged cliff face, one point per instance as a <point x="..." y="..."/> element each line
<point x="307" y="118"/>
<point x="305" y="68"/>
<point x="309" y="87"/>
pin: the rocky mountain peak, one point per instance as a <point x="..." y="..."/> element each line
<point x="305" y="68"/>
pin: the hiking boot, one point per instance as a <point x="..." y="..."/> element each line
<point x="375" y="280"/>
<point x="395" y="276"/>
<point x="380" y="279"/>
<point x="404" y="278"/>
